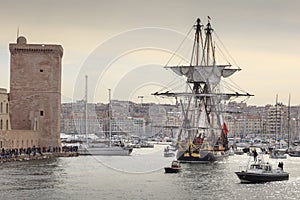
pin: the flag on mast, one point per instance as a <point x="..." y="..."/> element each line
<point x="225" y="129"/>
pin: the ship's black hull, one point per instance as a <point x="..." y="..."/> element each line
<point x="247" y="177"/>
<point x="202" y="157"/>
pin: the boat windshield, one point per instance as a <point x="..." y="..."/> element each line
<point x="255" y="166"/>
<point x="265" y="167"/>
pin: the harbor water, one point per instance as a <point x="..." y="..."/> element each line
<point x="139" y="176"/>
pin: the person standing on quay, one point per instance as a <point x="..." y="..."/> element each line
<point x="255" y="155"/>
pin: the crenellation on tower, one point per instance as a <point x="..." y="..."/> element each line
<point x="22" y="47"/>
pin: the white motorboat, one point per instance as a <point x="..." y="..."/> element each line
<point x="89" y="148"/>
<point x="101" y="149"/>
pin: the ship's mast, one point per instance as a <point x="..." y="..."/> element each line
<point x="202" y="109"/>
<point x="86" y="108"/>
<point x="276" y="110"/>
<point x="196" y="85"/>
<point x="289" y="120"/>
<point x="109" y="113"/>
<point x="196" y="52"/>
<point x="198" y="37"/>
<point x="208" y="46"/>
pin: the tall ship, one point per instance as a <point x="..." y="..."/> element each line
<point x="202" y="137"/>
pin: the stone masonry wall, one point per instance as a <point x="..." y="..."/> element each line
<point x="35" y="90"/>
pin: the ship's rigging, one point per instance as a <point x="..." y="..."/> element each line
<point x="202" y="103"/>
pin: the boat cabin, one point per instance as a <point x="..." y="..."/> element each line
<point x="175" y="163"/>
<point x="261" y="166"/>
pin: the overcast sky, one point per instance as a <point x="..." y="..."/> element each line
<point x="123" y="45"/>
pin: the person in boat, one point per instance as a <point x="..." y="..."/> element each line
<point x="255" y="155"/>
<point x="175" y="164"/>
<point x="167" y="149"/>
<point x="280" y="165"/>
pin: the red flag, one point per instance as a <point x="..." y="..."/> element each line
<point x="224" y="128"/>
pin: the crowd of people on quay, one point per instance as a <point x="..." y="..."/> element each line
<point x="34" y="151"/>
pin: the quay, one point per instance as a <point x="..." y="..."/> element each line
<point x="65" y="154"/>
<point x="28" y="157"/>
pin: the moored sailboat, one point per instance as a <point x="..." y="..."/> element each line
<point x="102" y="149"/>
<point x="276" y="152"/>
<point x="202" y="137"/>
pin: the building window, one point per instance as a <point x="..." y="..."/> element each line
<point x="1" y="126"/>
<point x="41" y="113"/>
<point x="6" y="107"/>
<point x="41" y="70"/>
<point x="1" y="107"/>
<point x="6" y="124"/>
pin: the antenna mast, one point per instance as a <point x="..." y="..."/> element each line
<point x="17" y="33"/>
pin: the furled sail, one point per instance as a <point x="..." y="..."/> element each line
<point x="204" y="74"/>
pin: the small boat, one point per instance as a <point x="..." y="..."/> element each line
<point x="261" y="172"/>
<point x="238" y="151"/>
<point x="146" y="145"/>
<point x="231" y="152"/>
<point x="168" y="153"/>
<point x="175" y="167"/>
<point x="276" y="154"/>
<point x="294" y="153"/>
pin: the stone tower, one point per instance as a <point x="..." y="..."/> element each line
<point x="35" y="90"/>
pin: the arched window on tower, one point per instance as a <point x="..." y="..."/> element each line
<point x="6" y="107"/>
